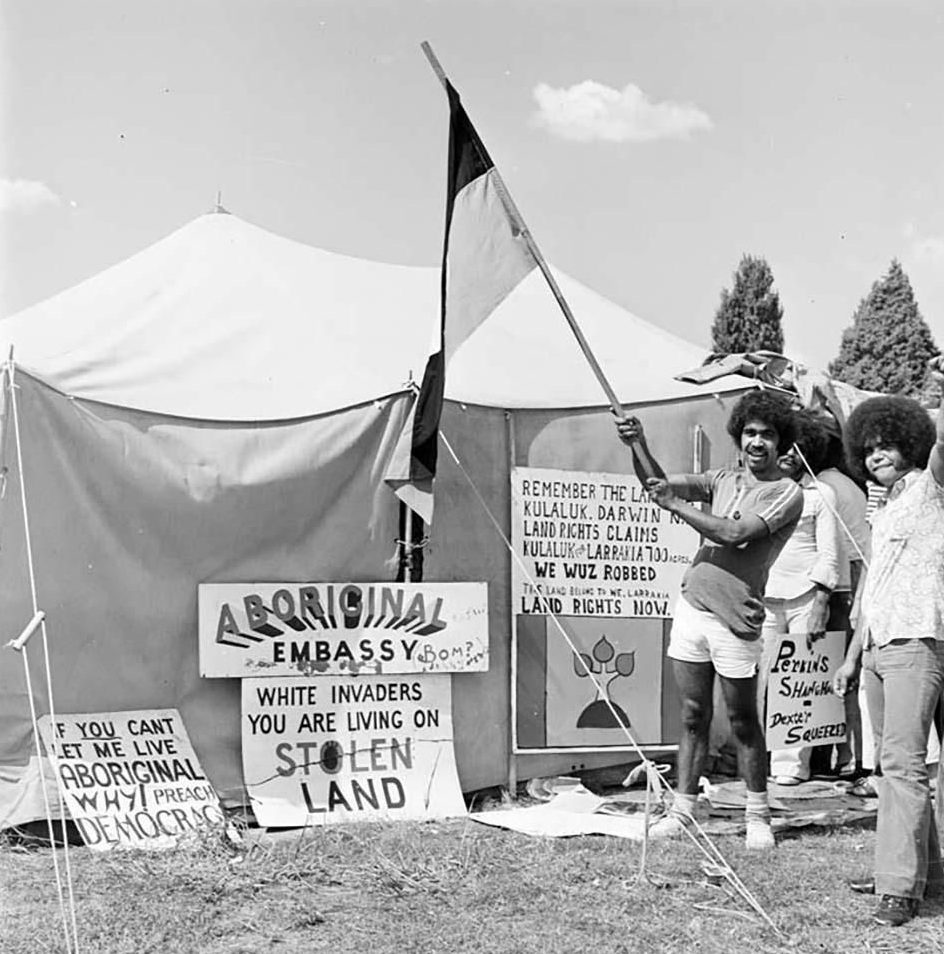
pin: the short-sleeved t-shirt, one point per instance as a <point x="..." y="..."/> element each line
<point x="728" y="581"/>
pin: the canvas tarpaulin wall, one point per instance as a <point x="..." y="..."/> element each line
<point x="128" y="511"/>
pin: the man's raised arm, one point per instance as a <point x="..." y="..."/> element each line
<point x="936" y="460"/>
<point x="631" y="434"/>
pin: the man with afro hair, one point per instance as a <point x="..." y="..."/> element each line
<point x="718" y="616"/>
<point x="891" y="441"/>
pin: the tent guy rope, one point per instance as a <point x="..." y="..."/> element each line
<point x="38" y="621"/>
<point x="654" y="778"/>
<point x="833" y="510"/>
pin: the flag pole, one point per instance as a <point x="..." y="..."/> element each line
<point x="515" y="215"/>
<point x="643" y="460"/>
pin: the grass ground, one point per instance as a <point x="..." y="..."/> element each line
<point x="451" y="887"/>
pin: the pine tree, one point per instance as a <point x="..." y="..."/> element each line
<point x="749" y="316"/>
<point x="888" y="345"/>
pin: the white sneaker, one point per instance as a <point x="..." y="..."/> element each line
<point x="760" y="836"/>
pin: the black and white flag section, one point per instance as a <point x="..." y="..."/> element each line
<point x="485" y="255"/>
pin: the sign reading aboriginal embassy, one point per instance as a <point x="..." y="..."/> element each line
<point x="342" y="749"/>
<point x="594" y="545"/>
<point x="130" y="779"/>
<point x="802" y="708"/>
<point x="317" y="629"/>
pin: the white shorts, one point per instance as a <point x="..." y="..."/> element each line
<point x="698" y="636"/>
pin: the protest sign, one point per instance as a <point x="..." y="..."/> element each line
<point x="591" y="544"/>
<point x="802" y="708"/>
<point x="343" y="749"/>
<point x="308" y="629"/>
<point x="130" y="779"/>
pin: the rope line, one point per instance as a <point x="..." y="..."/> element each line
<point x="819" y="486"/>
<point x="699" y="836"/>
<point x="72" y="943"/>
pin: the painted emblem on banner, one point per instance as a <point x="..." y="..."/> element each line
<point x="612" y="683"/>
<point x="130" y="779"/>
<point x="605" y="665"/>
<point x="594" y="544"/>
<point x="346" y="749"/>
<point x="317" y="629"/>
<point x="802" y="708"/>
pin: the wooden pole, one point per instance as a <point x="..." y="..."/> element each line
<point x="517" y="218"/>
<point x="641" y="460"/>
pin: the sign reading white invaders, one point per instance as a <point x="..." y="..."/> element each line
<point x="130" y="779"/>
<point x="345" y="749"/>
<point x="319" y="629"/>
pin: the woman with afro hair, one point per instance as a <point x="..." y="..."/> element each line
<point x="891" y="441"/>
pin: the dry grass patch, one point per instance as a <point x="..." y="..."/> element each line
<point x="456" y="886"/>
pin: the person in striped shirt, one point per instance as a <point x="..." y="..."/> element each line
<point x="718" y="616"/>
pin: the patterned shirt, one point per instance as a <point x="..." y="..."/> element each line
<point x="904" y="587"/>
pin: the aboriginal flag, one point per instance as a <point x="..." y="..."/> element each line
<point x="485" y="255"/>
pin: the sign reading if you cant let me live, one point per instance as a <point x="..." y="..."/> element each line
<point x="324" y="629"/>
<point x="130" y="779"/>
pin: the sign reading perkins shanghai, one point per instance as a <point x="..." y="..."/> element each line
<point x="318" y="629"/>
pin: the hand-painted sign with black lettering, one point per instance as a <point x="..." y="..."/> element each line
<point x="593" y="545"/>
<point x="802" y="709"/>
<point x="318" y="629"/>
<point x="343" y="749"/>
<point x="130" y="779"/>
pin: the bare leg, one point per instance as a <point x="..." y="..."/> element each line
<point x="695" y="683"/>
<point x="741" y="698"/>
<point x="740" y="695"/>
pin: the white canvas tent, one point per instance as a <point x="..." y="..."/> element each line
<point x="223" y="406"/>
<point x="222" y="320"/>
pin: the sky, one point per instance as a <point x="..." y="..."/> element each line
<point x="649" y="144"/>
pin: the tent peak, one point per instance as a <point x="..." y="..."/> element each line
<point x="218" y="207"/>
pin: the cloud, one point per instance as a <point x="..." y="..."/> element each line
<point x="25" y="195"/>
<point x="928" y="250"/>
<point x="590" y="110"/>
<point x="922" y="248"/>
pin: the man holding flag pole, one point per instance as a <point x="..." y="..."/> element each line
<point x="487" y="252"/>
<point x="717" y="619"/>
